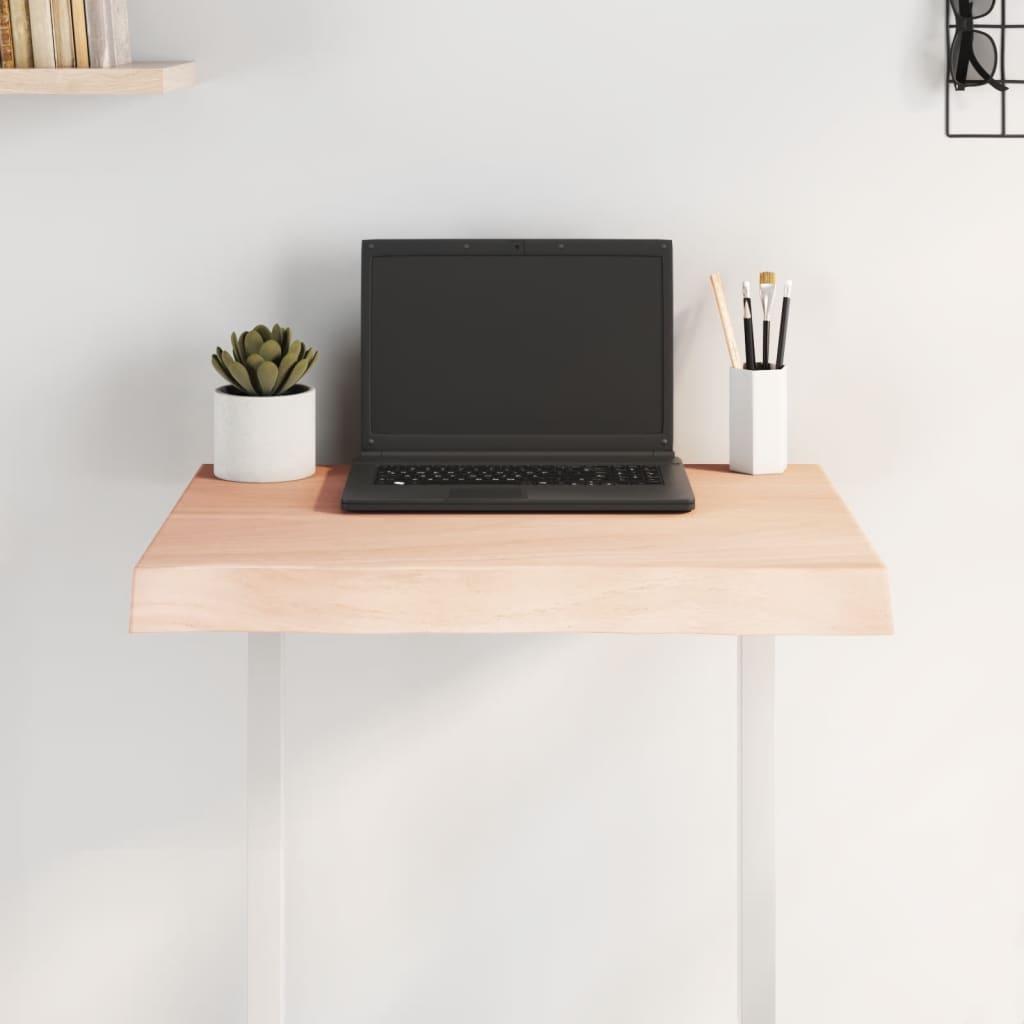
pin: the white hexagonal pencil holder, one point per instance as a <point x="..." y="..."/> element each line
<point x="758" y="421"/>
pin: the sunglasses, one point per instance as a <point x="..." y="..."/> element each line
<point x="973" y="56"/>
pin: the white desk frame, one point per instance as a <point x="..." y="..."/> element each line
<point x="264" y="806"/>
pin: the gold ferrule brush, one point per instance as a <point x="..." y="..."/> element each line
<point x="767" y="299"/>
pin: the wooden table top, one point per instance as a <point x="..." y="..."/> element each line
<point x="764" y="555"/>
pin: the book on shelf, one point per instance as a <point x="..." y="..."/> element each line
<point x="81" y="33"/>
<point x="109" y="39"/>
<point x="63" y="33"/>
<point x="22" y="33"/>
<point x="41" y="22"/>
<point x="6" y="35"/>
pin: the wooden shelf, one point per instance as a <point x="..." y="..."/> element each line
<point x="761" y="555"/>
<point x="150" y="78"/>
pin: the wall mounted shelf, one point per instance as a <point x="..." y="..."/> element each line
<point x="148" y="78"/>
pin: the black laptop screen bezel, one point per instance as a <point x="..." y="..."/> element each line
<point x="377" y="443"/>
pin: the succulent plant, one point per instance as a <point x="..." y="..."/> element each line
<point x="264" y="361"/>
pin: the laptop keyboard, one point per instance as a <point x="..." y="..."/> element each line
<point x="468" y="474"/>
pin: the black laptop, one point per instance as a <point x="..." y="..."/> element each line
<point x="517" y="376"/>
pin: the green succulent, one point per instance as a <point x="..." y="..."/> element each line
<point x="264" y="361"/>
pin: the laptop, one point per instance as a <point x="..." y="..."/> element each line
<point x="517" y="376"/>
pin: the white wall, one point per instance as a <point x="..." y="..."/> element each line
<point x="535" y="828"/>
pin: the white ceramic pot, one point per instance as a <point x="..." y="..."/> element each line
<point x="264" y="440"/>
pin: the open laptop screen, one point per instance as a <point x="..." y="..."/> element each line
<point x="522" y="344"/>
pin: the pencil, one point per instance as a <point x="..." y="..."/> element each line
<point x="723" y="313"/>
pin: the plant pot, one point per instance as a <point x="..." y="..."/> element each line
<point x="264" y="440"/>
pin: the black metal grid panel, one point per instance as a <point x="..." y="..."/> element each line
<point x="1002" y="26"/>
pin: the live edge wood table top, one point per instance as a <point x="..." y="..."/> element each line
<point x="764" y="555"/>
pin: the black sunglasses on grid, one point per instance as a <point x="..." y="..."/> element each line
<point x="973" y="55"/>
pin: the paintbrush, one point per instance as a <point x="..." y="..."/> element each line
<point x="780" y="355"/>
<point x="767" y="298"/>
<point x="748" y="328"/>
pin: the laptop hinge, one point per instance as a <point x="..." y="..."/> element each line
<point x="590" y="456"/>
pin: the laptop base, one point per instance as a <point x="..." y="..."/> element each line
<point x="364" y="494"/>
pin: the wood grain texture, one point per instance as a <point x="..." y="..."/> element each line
<point x="763" y="555"/>
<point x="723" y="314"/>
<point x="131" y="79"/>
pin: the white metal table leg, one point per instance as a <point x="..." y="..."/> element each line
<point x="264" y="856"/>
<point x="756" y="700"/>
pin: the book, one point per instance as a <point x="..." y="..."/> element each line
<point x="109" y="39"/>
<point x="81" y="34"/>
<point x="63" y="33"/>
<point x="22" y="34"/>
<point x="41" y="20"/>
<point x="6" y="35"/>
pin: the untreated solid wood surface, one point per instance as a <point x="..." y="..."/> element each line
<point x="760" y="555"/>
<point x="153" y="77"/>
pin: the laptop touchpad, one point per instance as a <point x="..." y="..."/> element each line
<point x="487" y="491"/>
